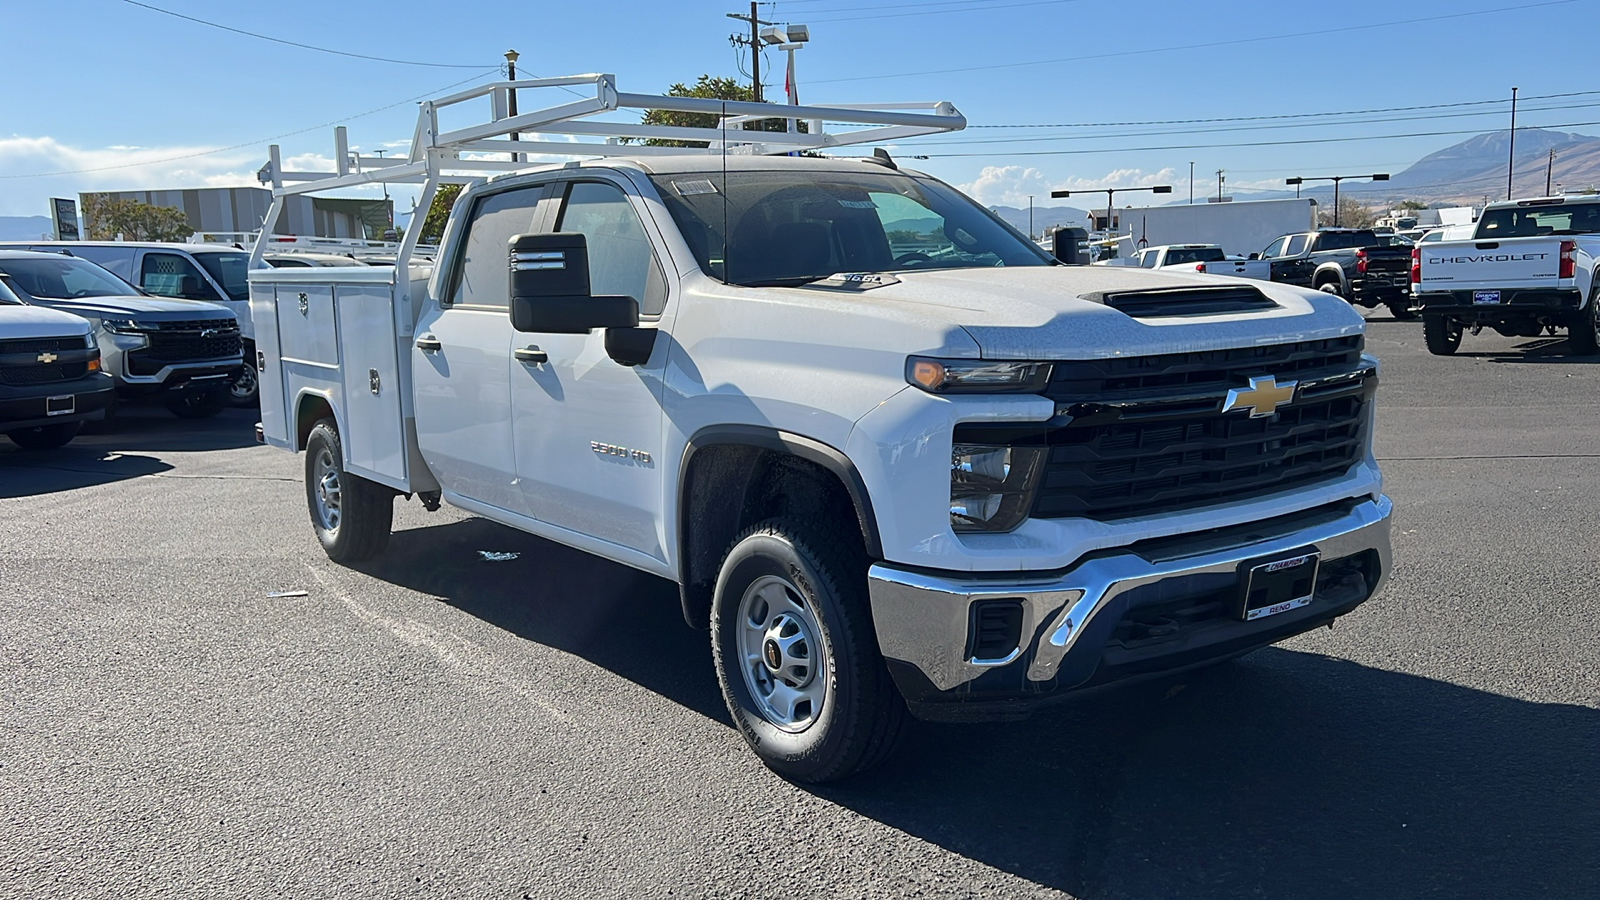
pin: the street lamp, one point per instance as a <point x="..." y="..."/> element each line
<point x="1111" y="195"/>
<point x="788" y="38"/>
<point x="1335" y="179"/>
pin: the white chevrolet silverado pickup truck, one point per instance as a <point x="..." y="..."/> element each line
<point x="1530" y="267"/>
<point x="957" y="482"/>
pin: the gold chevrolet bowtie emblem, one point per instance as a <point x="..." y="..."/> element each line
<point x="47" y="357"/>
<point x="1262" y="397"/>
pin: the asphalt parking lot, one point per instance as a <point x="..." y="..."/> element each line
<point x="438" y="725"/>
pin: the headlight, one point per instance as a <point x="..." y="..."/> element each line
<point x="991" y="487"/>
<point x="117" y="325"/>
<point x="945" y="376"/>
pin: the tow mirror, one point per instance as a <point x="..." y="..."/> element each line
<point x="1066" y="246"/>
<point x="550" y="288"/>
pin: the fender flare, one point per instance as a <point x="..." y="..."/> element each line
<point x="1340" y="275"/>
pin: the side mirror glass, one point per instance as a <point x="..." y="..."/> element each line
<point x="550" y="288"/>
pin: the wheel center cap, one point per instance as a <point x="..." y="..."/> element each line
<point x="771" y="655"/>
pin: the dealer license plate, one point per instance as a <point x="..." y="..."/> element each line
<point x="1279" y="585"/>
<point x="1479" y="297"/>
<point x="59" y="406"/>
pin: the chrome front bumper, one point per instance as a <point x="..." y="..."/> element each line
<point x="922" y="619"/>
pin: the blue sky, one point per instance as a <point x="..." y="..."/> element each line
<point x="92" y="84"/>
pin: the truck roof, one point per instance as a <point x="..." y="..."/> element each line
<point x="1558" y="200"/>
<point x="712" y="162"/>
<point x="132" y="245"/>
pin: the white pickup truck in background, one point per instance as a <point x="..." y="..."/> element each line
<point x="1207" y="259"/>
<point x="1529" y="268"/>
<point x="935" y="473"/>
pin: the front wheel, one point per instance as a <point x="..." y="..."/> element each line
<point x="796" y="655"/>
<point x="45" y="437"/>
<point x="201" y="405"/>
<point x="351" y="515"/>
<point x="1441" y="334"/>
<point x="1331" y="287"/>
<point x="245" y="390"/>
<point x="1583" y="334"/>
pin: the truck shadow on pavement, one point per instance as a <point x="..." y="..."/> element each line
<point x="623" y="620"/>
<point x="150" y="429"/>
<point x="1286" y="774"/>
<point x="26" y="473"/>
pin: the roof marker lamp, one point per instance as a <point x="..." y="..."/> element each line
<point x="976" y="376"/>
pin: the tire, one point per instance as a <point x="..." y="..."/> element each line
<point x="199" y="405"/>
<point x="45" y="437"/>
<point x="1401" y="310"/>
<point x="803" y="584"/>
<point x="1441" y="334"/>
<point x="351" y="515"/>
<point x="1583" y="334"/>
<point x="246" y="389"/>
<point x="1331" y="287"/>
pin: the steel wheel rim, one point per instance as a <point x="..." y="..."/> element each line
<point x="326" y="490"/>
<point x="781" y="654"/>
<point x="245" y="385"/>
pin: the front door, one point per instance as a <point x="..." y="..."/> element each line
<point x="460" y="361"/>
<point x="588" y="429"/>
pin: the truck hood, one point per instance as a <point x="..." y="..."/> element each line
<point x="22" y="322"/>
<point x="152" y="309"/>
<point x="1048" y="312"/>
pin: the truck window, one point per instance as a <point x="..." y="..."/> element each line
<point x="1346" y="240"/>
<point x="1297" y="245"/>
<point x="229" y="269"/>
<point x="116" y="260"/>
<point x="621" y="261"/>
<point x="482" y="273"/>
<point x="1195" y="255"/>
<point x="1568" y="218"/>
<point x="1149" y="258"/>
<point x="1274" y="249"/>
<point x="170" y="275"/>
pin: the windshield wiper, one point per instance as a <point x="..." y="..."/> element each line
<point x="786" y="281"/>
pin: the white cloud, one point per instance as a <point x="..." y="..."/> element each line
<point x="33" y="169"/>
<point x="1012" y="185"/>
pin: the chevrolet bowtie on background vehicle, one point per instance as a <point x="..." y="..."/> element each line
<point x="1529" y="269"/>
<point x="896" y="457"/>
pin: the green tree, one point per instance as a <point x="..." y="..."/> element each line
<point x="105" y="217"/>
<point x="1412" y="205"/>
<point x="706" y="87"/>
<point x="444" y="199"/>
<point x="1352" y="214"/>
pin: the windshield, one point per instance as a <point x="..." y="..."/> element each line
<point x="791" y="227"/>
<point x="7" y="297"/>
<point x="229" y="270"/>
<point x="1515" y="222"/>
<point x="64" y="278"/>
<point x="1203" y="254"/>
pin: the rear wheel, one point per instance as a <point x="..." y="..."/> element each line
<point x="1442" y="334"/>
<point x="44" y="437"/>
<point x="351" y="515"/>
<point x="796" y="654"/>
<point x="1330" y="287"/>
<point x="202" y="405"/>
<point x="1583" y="334"/>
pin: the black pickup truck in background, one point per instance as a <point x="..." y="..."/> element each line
<point x="1351" y="262"/>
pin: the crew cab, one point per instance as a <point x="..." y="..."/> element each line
<point x="211" y="272"/>
<point x="958" y="481"/>
<point x="1204" y="258"/>
<point x="50" y="378"/>
<point x="182" y="353"/>
<point x="1529" y="268"/>
<point x="1352" y="263"/>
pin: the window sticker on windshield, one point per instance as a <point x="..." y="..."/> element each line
<point x="697" y="186"/>
<point x="856" y="281"/>
<point x="858" y="204"/>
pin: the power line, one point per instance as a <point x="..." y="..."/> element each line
<point x="936" y="12"/>
<point x="1209" y="45"/>
<point x="152" y="162"/>
<point x="263" y="37"/>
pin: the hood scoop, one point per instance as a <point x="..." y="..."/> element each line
<point x="1168" y="303"/>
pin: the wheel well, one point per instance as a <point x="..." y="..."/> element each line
<point x="1327" y="276"/>
<point x="312" y="409"/>
<point x="726" y="488"/>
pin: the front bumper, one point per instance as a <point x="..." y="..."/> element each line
<point x="1092" y="624"/>
<point x="1515" y="304"/>
<point x="180" y="378"/>
<point x="30" y="406"/>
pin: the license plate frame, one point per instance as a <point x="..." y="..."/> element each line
<point x="1277" y="584"/>
<point x="1485" y="298"/>
<point x="60" y="405"/>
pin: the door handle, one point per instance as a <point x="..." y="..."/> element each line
<point x="429" y="344"/>
<point x="531" y="356"/>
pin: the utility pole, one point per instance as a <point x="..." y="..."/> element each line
<point x="754" y="43"/>
<point x="1549" y="170"/>
<point x="1191" y="182"/>
<point x="1511" y="154"/>
<point x="1030" y="217"/>
<point x="1221" y="180"/>
<point x="511" y="105"/>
